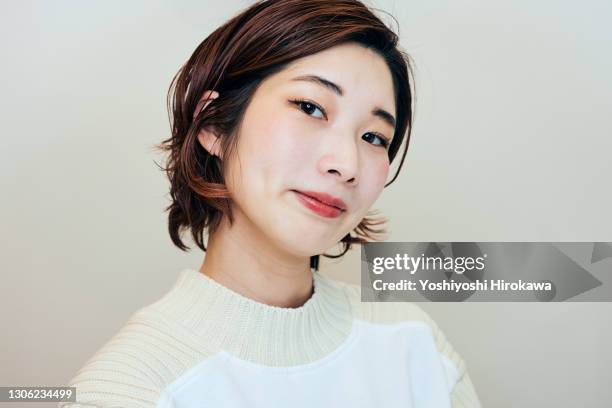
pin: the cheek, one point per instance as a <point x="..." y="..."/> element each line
<point x="383" y="172"/>
<point x="376" y="179"/>
<point x="273" y="152"/>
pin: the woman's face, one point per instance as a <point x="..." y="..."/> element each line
<point x="330" y="143"/>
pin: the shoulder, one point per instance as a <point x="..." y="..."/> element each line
<point x="408" y="313"/>
<point x="134" y="365"/>
<point x="381" y="312"/>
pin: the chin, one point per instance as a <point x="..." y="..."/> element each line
<point x="301" y="246"/>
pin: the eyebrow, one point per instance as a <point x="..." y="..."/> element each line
<point x="379" y="112"/>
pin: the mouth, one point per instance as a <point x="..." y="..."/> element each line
<point x="314" y="202"/>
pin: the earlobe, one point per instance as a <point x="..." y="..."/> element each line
<point x="210" y="141"/>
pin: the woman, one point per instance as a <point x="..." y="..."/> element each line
<point x="284" y="123"/>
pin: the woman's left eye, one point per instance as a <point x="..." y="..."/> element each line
<point x="383" y="141"/>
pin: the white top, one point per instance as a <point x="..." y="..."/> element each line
<point x="204" y="345"/>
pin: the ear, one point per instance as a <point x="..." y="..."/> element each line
<point x="208" y="137"/>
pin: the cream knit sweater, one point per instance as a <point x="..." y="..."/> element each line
<point x="204" y="345"/>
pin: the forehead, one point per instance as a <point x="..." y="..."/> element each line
<point x="360" y="72"/>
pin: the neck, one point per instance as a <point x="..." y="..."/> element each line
<point x="218" y="318"/>
<point x="239" y="258"/>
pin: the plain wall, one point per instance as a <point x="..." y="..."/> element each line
<point x="512" y="142"/>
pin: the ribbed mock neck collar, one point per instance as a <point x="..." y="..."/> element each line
<point x="250" y="330"/>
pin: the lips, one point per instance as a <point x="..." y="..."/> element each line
<point x="318" y="207"/>
<point x="324" y="198"/>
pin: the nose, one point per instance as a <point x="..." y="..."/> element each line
<point x="342" y="160"/>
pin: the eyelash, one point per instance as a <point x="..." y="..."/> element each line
<point x="300" y="102"/>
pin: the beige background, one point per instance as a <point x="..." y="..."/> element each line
<point x="512" y="142"/>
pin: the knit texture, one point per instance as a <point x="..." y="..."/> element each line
<point x="198" y="318"/>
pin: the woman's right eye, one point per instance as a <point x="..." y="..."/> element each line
<point x="309" y="108"/>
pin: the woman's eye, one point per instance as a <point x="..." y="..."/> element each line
<point x="372" y="136"/>
<point x="309" y="108"/>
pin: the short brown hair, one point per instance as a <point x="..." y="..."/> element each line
<point x="234" y="60"/>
